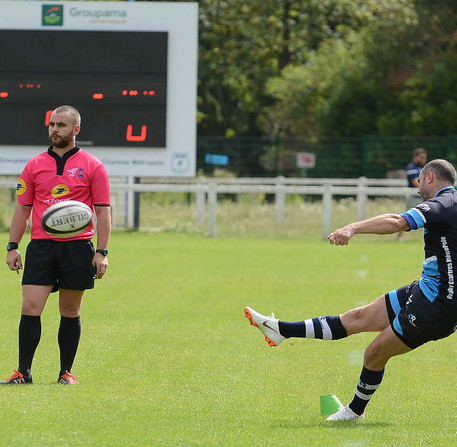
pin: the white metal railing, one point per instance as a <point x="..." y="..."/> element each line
<point x="207" y="189"/>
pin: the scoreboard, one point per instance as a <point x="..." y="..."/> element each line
<point x="118" y="82"/>
<point x="129" y="68"/>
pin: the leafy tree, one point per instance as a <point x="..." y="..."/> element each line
<point x="244" y="44"/>
<point x="335" y="67"/>
<point x="395" y="76"/>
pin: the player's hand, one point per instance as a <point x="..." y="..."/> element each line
<point x="342" y="236"/>
<point x="14" y="260"/>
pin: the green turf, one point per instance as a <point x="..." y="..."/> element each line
<point x="167" y="357"/>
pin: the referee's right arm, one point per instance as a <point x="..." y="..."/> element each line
<point x="18" y="226"/>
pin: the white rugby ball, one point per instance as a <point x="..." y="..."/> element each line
<point x="65" y="219"/>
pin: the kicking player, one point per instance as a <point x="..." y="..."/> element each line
<point x="63" y="172"/>
<point x="407" y="317"/>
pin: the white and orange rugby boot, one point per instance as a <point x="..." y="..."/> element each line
<point x="268" y="326"/>
<point x="345" y="414"/>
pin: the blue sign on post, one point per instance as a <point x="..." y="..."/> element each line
<point x="217" y="160"/>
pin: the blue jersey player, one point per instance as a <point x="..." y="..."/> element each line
<point x="406" y="317"/>
<point x="413" y="171"/>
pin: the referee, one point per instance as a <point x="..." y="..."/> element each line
<point x="407" y="317"/>
<point x="70" y="265"/>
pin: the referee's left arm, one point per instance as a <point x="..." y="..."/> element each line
<point x="103" y="233"/>
<point x="103" y="225"/>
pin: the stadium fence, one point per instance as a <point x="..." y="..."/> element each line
<point x="207" y="190"/>
<point x="125" y="192"/>
<point x="371" y="156"/>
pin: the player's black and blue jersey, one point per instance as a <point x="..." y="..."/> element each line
<point x="412" y="172"/>
<point x="438" y="217"/>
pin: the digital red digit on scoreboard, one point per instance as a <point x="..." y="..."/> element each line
<point x="117" y="80"/>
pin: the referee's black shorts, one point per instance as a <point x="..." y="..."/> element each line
<point x="415" y="319"/>
<point x="64" y="265"/>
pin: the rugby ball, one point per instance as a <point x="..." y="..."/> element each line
<point x="65" y="219"/>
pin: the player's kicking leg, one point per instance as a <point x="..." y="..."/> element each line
<point x="370" y="318"/>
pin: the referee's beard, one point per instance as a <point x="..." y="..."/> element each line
<point x="61" y="141"/>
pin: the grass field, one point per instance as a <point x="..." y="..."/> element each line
<point x="167" y="357"/>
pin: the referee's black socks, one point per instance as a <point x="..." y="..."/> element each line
<point x="69" y="335"/>
<point x="29" y="337"/>
<point x="324" y="328"/>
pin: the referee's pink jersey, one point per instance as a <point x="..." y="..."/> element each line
<point x="48" y="179"/>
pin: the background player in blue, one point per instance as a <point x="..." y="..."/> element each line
<point x="413" y="170"/>
<point x="407" y="317"/>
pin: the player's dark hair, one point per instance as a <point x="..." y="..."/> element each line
<point x="419" y="150"/>
<point x="443" y="170"/>
<point x="72" y="111"/>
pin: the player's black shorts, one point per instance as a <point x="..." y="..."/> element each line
<point x="65" y="265"/>
<point x="415" y="319"/>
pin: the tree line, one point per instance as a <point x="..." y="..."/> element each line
<point x="327" y="67"/>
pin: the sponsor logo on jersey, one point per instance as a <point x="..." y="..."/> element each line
<point x="423" y="206"/>
<point x="21" y="187"/>
<point x="60" y="190"/>
<point x="72" y="172"/>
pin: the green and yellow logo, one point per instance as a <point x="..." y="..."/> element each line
<point x="21" y="187"/>
<point x="60" y="190"/>
<point x="52" y="15"/>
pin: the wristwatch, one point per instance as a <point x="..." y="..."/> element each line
<point x="12" y="246"/>
<point x="102" y="251"/>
